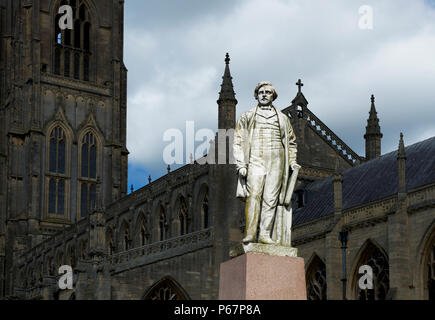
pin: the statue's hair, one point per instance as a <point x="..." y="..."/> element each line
<point x="263" y="84"/>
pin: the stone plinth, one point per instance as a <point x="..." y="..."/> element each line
<point x="255" y="276"/>
<point x="260" y="248"/>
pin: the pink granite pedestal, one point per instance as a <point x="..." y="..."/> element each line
<point x="262" y="277"/>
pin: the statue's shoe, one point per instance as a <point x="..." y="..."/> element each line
<point x="248" y="239"/>
<point x="266" y="240"/>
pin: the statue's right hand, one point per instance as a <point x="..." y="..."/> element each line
<point x="243" y="172"/>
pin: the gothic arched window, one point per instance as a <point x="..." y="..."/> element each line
<point x="143" y="234"/>
<point x="316" y="280"/>
<point x="372" y="256"/>
<point x="162" y="224"/>
<point x="72" y="50"/>
<point x="182" y="216"/>
<point x="126" y="239"/>
<point x="76" y="66"/>
<point x="204" y="211"/>
<point x="57" y="60"/>
<point x="88" y="173"/>
<point x="57" y="178"/>
<point x="166" y="289"/>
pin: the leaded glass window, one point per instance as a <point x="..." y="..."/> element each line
<point x="204" y="211"/>
<point x="88" y="174"/>
<point x="374" y="258"/>
<point x="126" y="239"/>
<point x="166" y="289"/>
<point x="162" y="223"/>
<point x="76" y="66"/>
<point x="73" y="45"/>
<point x="182" y="215"/>
<point x="144" y="235"/>
<point x="316" y="280"/>
<point x="57" y="59"/>
<point x="86" y="68"/>
<point x="57" y="151"/>
<point x="57" y="179"/>
<point x="89" y="156"/>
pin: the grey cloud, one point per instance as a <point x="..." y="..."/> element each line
<point x="175" y="58"/>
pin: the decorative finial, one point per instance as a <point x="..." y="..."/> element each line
<point x="169" y="168"/>
<point x="300" y="85"/>
<point x="149" y="179"/>
<point x="373" y="98"/>
<point x="227" y="59"/>
<point x="132" y="189"/>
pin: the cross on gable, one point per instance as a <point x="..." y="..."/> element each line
<point x="300" y="85"/>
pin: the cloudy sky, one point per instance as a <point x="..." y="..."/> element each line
<point x="175" y="51"/>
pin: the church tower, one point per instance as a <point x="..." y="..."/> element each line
<point x="63" y="92"/>
<point x="373" y="134"/>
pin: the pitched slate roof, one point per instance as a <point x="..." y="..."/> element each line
<point x="370" y="181"/>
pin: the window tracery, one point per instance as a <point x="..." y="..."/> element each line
<point x="166" y="289"/>
<point x="316" y="280"/>
<point x="182" y="216"/>
<point x="88" y="173"/>
<point x="374" y="258"/>
<point x="72" y="50"/>
<point x="57" y="177"/>
<point x="162" y="224"/>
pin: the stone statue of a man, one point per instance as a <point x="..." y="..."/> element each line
<point x="265" y="153"/>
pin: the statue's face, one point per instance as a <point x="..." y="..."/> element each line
<point x="265" y="96"/>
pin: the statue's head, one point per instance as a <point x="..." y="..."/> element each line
<point x="265" y="93"/>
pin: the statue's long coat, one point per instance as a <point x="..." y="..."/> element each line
<point x="242" y="149"/>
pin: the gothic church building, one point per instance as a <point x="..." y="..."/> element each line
<point x="63" y="183"/>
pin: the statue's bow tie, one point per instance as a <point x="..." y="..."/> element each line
<point x="266" y="108"/>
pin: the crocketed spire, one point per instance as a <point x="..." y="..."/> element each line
<point x="373" y="121"/>
<point x="227" y="89"/>
<point x="227" y="100"/>
<point x="373" y="134"/>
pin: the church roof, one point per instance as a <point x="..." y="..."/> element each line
<point x="370" y="181"/>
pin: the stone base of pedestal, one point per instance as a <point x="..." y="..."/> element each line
<point x="262" y="277"/>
